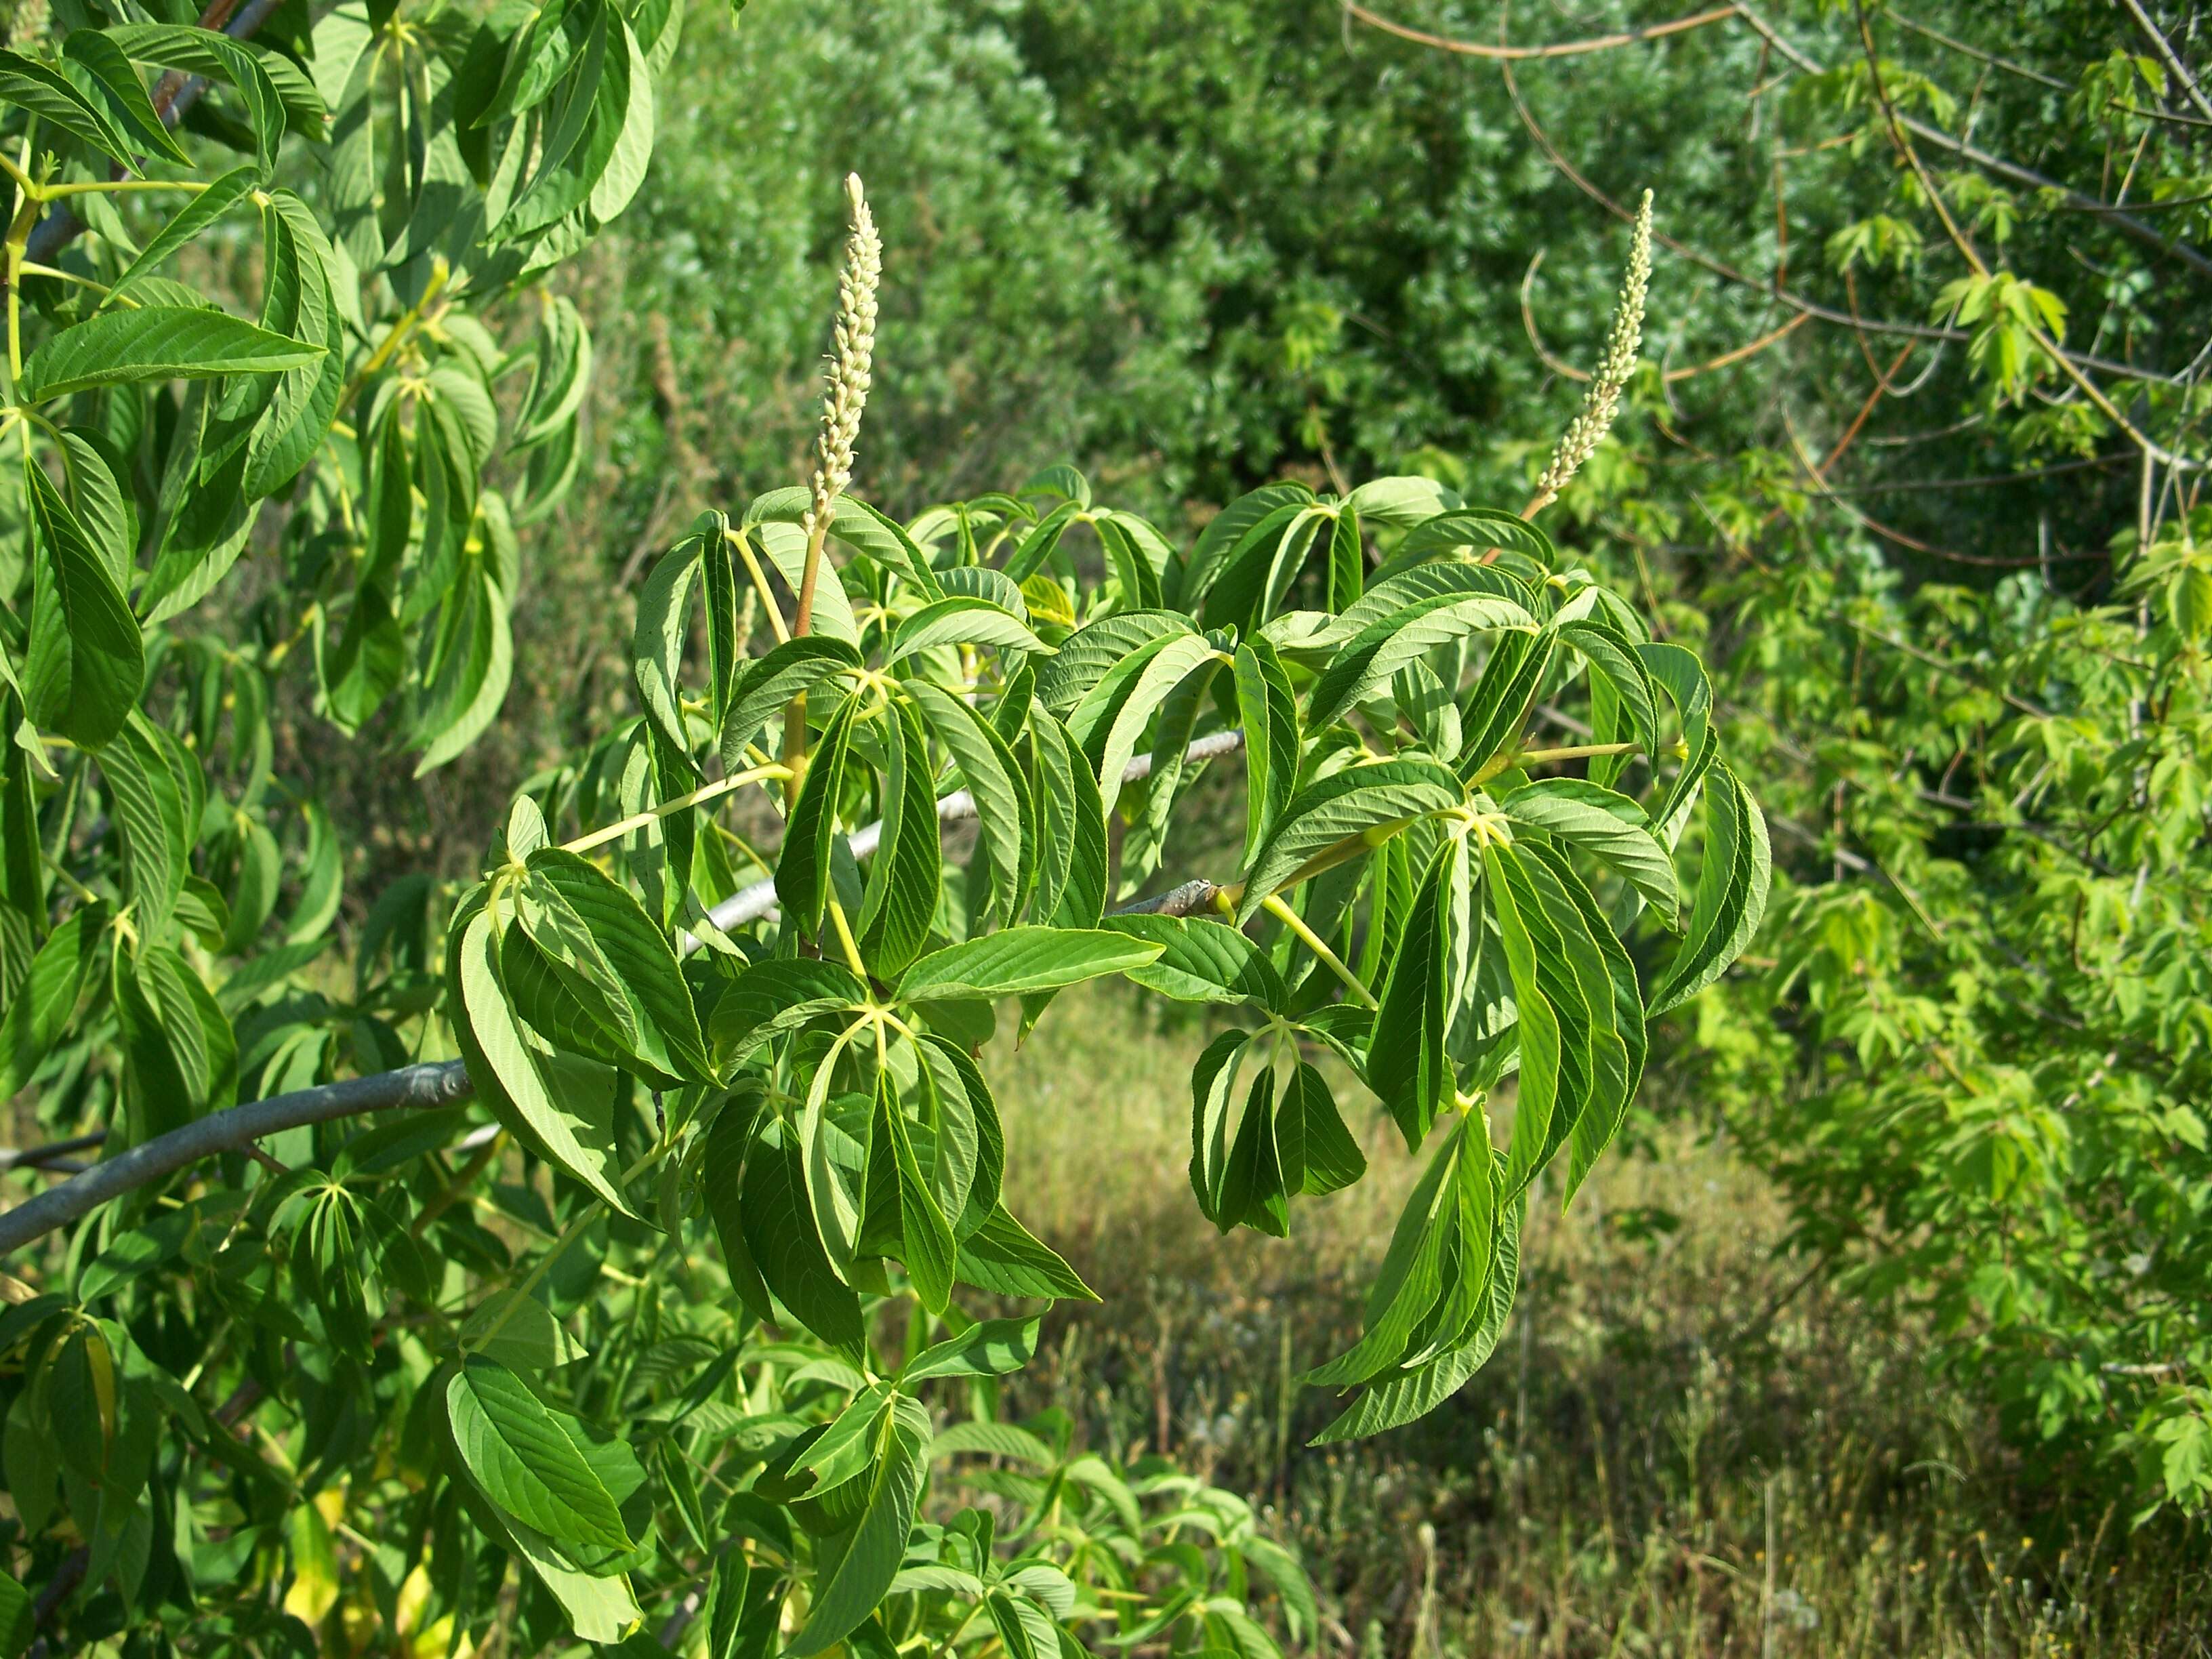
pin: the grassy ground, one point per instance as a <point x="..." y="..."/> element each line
<point x="1682" y="1448"/>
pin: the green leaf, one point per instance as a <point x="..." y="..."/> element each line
<point x="18" y="1623"/>
<point x="1016" y="961"/>
<point x="1608" y="825"/>
<point x="552" y="1110"/>
<point x="772" y="997"/>
<point x="1390" y="1402"/>
<point x="899" y="901"/>
<point x="1475" y="530"/>
<point x="1408" y="1282"/>
<point x="962" y="620"/>
<point x="1089" y="654"/>
<point x="1113" y="714"/>
<point x="1539" y="1029"/>
<point x="1347" y="559"/>
<point x="1071" y="843"/>
<point x="1407" y="1066"/>
<point x="1001" y="1257"/>
<point x="1269" y="714"/>
<point x="48" y="94"/>
<point x="1342" y="816"/>
<point x="1230" y="527"/>
<point x="1043" y="539"/>
<point x="1493" y="712"/>
<point x="1252" y="1187"/>
<point x="1733" y="876"/>
<point x="992" y="1347"/>
<point x="657" y="642"/>
<point x="1389" y="643"/>
<point x="1595" y="1126"/>
<point x="779" y="1233"/>
<point x="1005" y="813"/>
<point x="1613" y="660"/>
<point x="526" y="1460"/>
<point x="593" y="929"/>
<point x="1213" y="1086"/>
<point x="1318" y="1152"/>
<point x="768" y="684"/>
<point x="215" y="56"/>
<point x="155" y="342"/>
<point x="106" y="62"/>
<point x="867" y="1558"/>
<point x="88" y="659"/>
<point x="39" y="1010"/>
<point x="150" y="808"/>
<point x="802" y="874"/>
<point x="927" y="1246"/>
<point x="1201" y="961"/>
<point x="1401" y="502"/>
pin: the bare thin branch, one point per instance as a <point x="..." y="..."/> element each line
<point x="1559" y="49"/>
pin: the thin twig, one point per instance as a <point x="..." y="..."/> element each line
<point x="1559" y="49"/>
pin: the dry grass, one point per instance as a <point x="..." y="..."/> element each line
<point x="1684" y="1448"/>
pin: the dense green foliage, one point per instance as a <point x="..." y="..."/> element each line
<point x="654" y="1300"/>
<point x="1934" y="571"/>
<point x="1948" y="565"/>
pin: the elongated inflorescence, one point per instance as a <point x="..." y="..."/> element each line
<point x="848" y="381"/>
<point x="1595" y="420"/>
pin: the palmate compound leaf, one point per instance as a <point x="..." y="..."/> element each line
<point x="1290" y="1138"/>
<point x="1342" y="816"/>
<point x="1390" y="1401"/>
<point x="1411" y="1280"/>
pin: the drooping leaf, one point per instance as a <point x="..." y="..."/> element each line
<point x="526" y="1460"/>
<point x="87" y="659"/>
<point x="1733" y="877"/>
